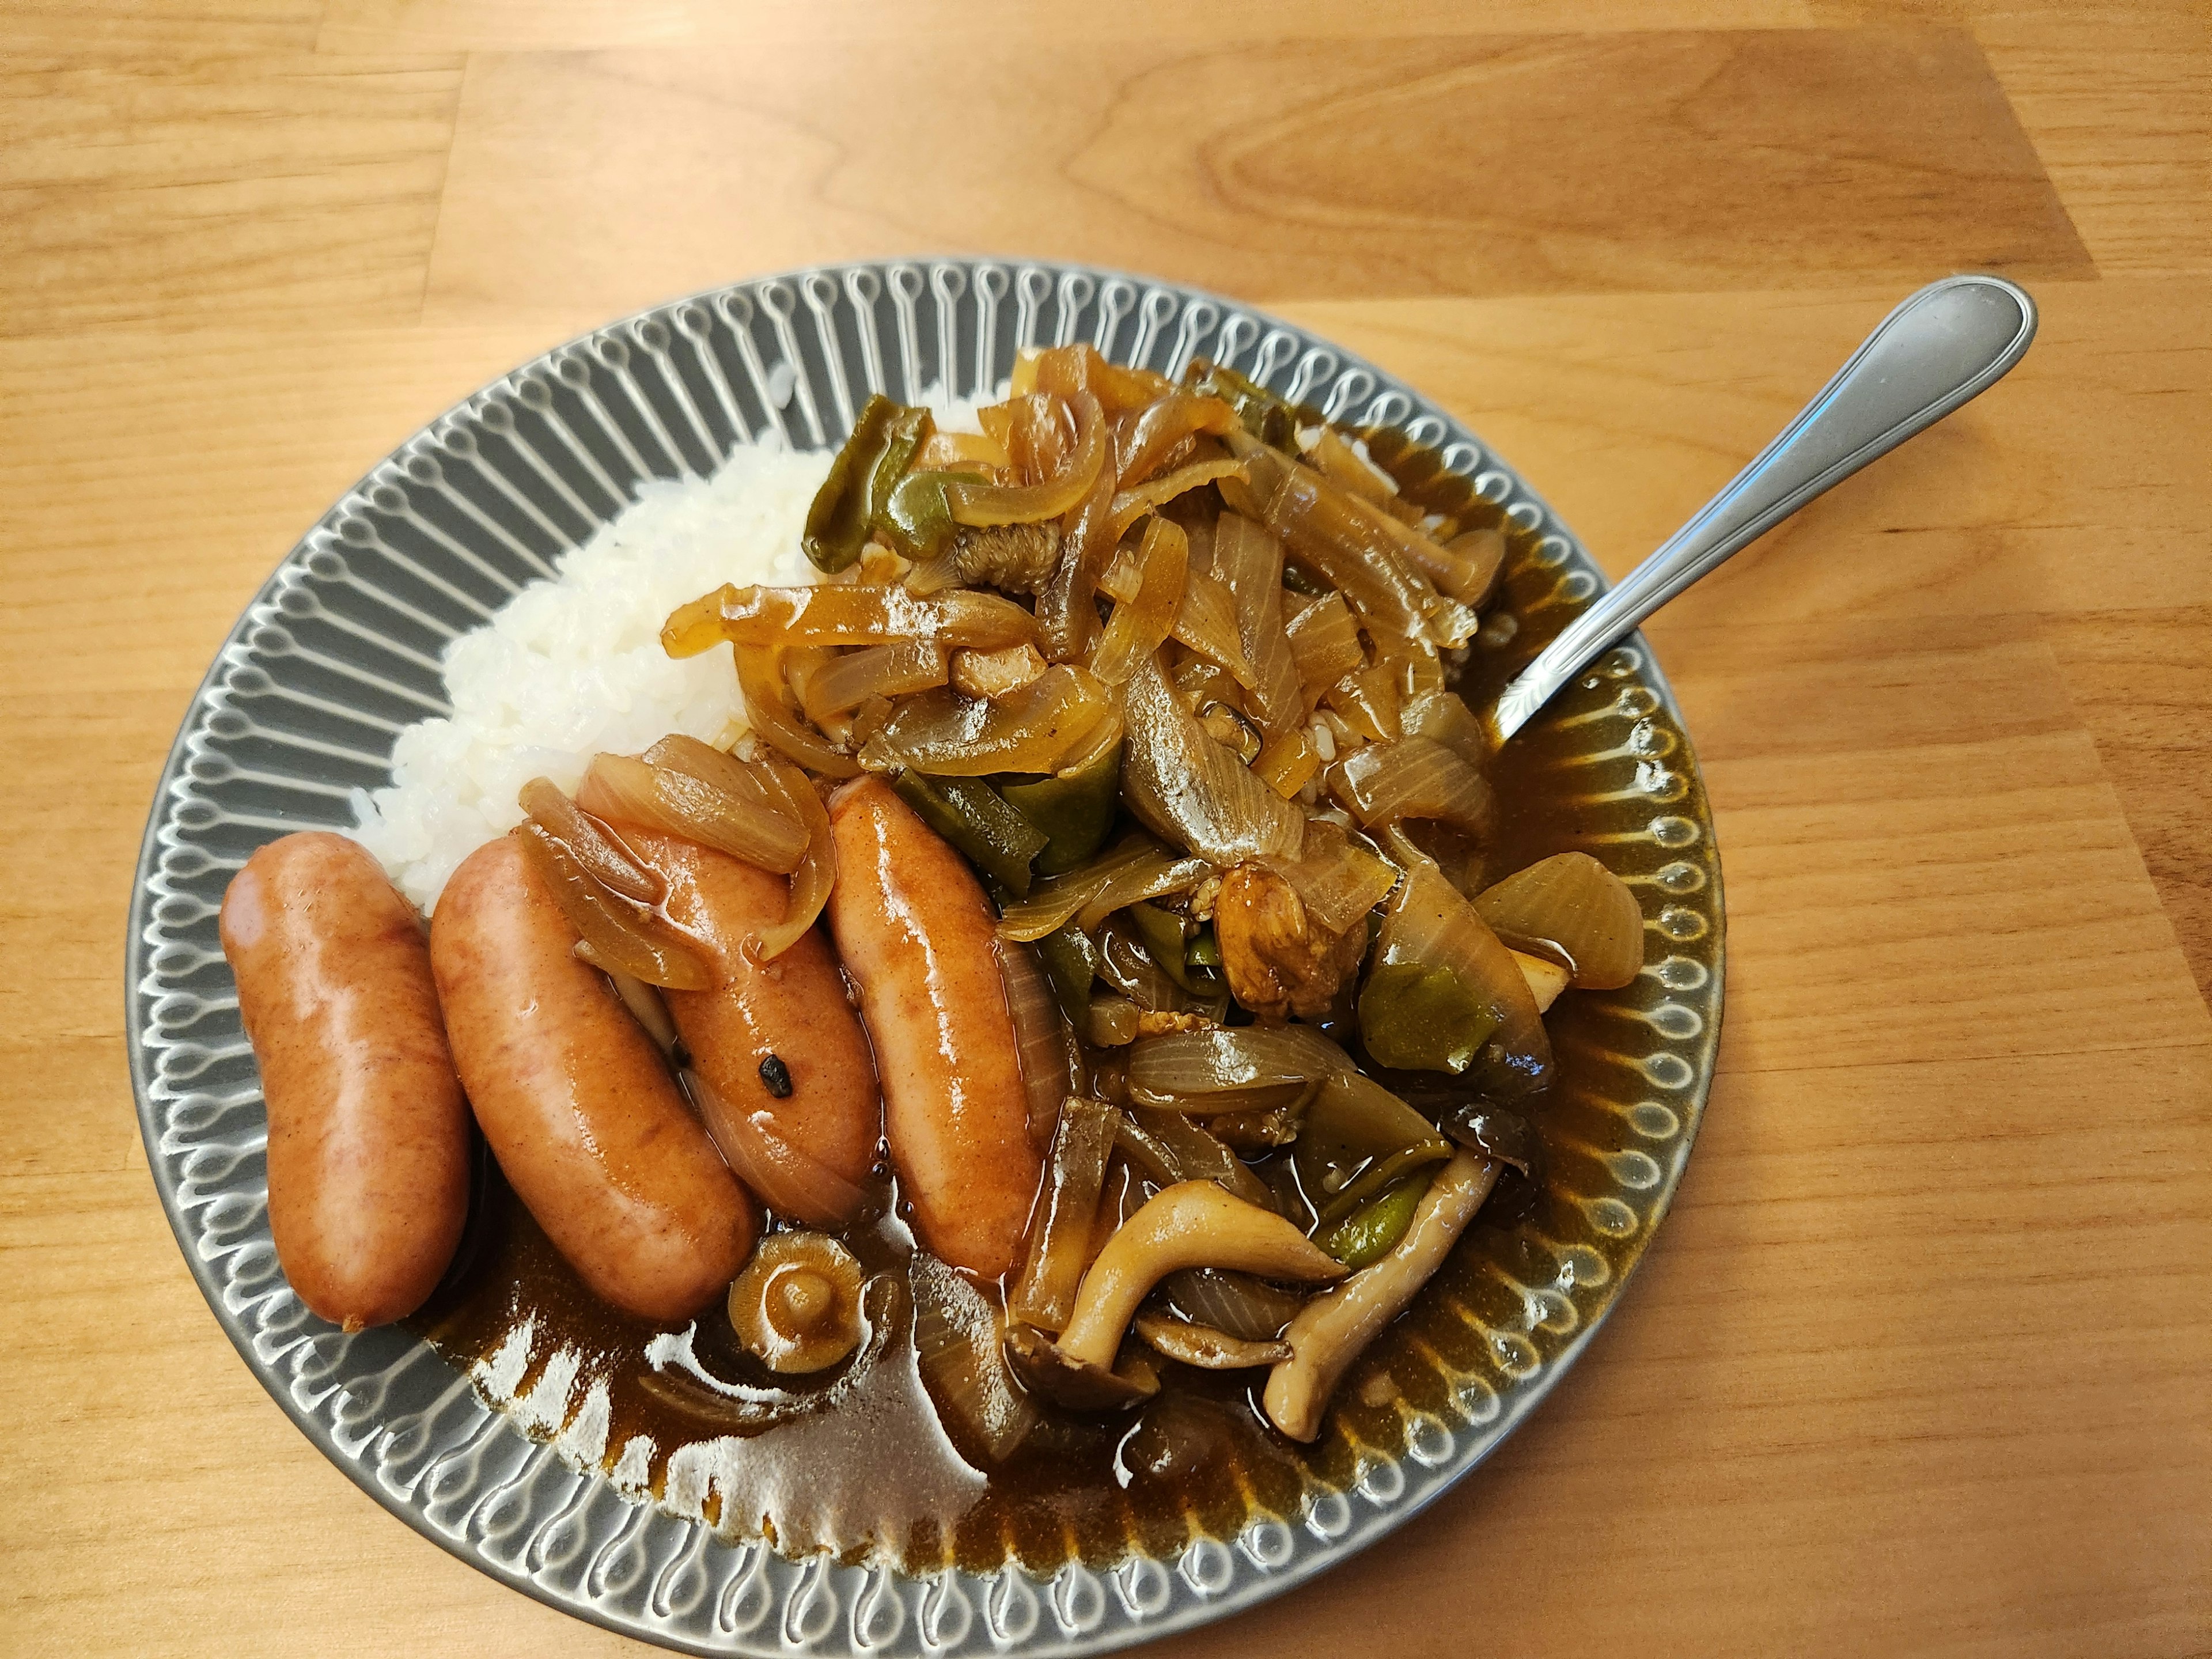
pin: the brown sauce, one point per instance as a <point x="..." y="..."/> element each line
<point x="875" y="1471"/>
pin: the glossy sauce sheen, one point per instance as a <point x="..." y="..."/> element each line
<point x="914" y="931"/>
<point x="574" y="1099"/>
<point x="794" y="1008"/>
<point x="1198" y="1459"/>
<point x="368" y="1134"/>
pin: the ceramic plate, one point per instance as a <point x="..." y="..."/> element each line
<point x="341" y="649"/>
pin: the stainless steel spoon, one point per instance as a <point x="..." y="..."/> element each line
<point x="1944" y="346"/>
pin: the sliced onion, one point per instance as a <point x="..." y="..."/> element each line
<point x="1342" y="464"/>
<point x="1412" y="778"/>
<point x="1052" y="1064"/>
<point x="761" y="686"/>
<point x="1170" y="1148"/>
<point x="946" y="451"/>
<point x="711" y="765"/>
<point x="1142" y="622"/>
<point x="1481" y="559"/>
<point x="845" y="613"/>
<point x="1243" y="1306"/>
<point x="1324" y="644"/>
<point x="817" y="866"/>
<point x="959" y="1348"/>
<point x="1286" y="764"/>
<point x="1573" y="902"/>
<point x="1132" y="504"/>
<point x="876" y="671"/>
<point x="622" y="934"/>
<point x="786" y="1179"/>
<point x="1313" y="518"/>
<point x="1136" y="868"/>
<point x="1040" y="436"/>
<point x="1250" y="562"/>
<point x="1185" y="786"/>
<point x="1124" y="964"/>
<point x="1065" y="616"/>
<point x="592" y="844"/>
<point x="1034" y="729"/>
<point x="1069" y="370"/>
<point x="1432" y="925"/>
<point x="644" y="1001"/>
<point x="1163" y="423"/>
<point x="1337" y="880"/>
<point x="1197" y="1071"/>
<point x="1111" y="1022"/>
<point x="982" y="503"/>
<point x="1206" y="622"/>
<point x="1369" y="700"/>
<point x="1444" y="717"/>
<point x="661" y="798"/>
<point x="1067" y="1208"/>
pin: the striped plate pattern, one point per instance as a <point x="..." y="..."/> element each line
<point x="341" y="649"/>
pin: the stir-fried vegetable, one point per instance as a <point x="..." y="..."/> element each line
<point x="1171" y="666"/>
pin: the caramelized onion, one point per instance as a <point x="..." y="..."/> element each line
<point x="1412" y="778"/>
<point x="844" y="613"/>
<point x="1064" y="615"/>
<point x="1142" y="621"/>
<point x="1324" y="643"/>
<point x="876" y="671"/>
<point x="1367" y="698"/>
<point x="1162" y="424"/>
<point x="1342" y="464"/>
<point x="1183" y="785"/>
<point x="978" y="502"/>
<point x="1431" y="925"/>
<point x="662" y="797"/>
<point x="789" y="1181"/>
<point x="590" y="843"/>
<point x="1168" y="1147"/>
<point x="1069" y="370"/>
<point x="1444" y="717"/>
<point x="1067" y="1207"/>
<point x="769" y="713"/>
<point x="958" y="1338"/>
<point x="702" y="761"/>
<point x="1206" y="622"/>
<point x="1287" y="763"/>
<point x="817" y="866"/>
<point x="1250" y="562"/>
<point x="622" y="935"/>
<point x="1244" y="1306"/>
<point x="1040" y="434"/>
<point x="1198" y="1071"/>
<point x="1337" y="880"/>
<point x="1034" y="729"/>
<point x="1573" y="902"/>
<point x="1136" y="868"/>
<point x="1051" y="1061"/>
<point x="1132" y="504"/>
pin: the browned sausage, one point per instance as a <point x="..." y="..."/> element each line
<point x="573" y="1096"/>
<point x="794" y="1009"/>
<point x="368" y="1135"/>
<point x="915" y="932"/>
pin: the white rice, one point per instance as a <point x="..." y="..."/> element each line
<point x="572" y="667"/>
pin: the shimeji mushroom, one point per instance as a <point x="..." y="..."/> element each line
<point x="797" y="1304"/>
<point x="1204" y="1347"/>
<point x="1330" y="1332"/>
<point x="1193" y="1224"/>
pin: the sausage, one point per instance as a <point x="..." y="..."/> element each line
<point x="794" y="1008"/>
<point x="574" y="1098"/>
<point x="368" y="1134"/>
<point x="915" y="932"/>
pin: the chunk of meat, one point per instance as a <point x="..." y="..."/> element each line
<point x="1280" y="961"/>
<point x="994" y="673"/>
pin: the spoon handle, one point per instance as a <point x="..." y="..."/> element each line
<point x="1945" y="345"/>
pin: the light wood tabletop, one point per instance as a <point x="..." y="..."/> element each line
<point x="1920" y="1361"/>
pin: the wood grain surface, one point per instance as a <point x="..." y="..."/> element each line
<point x="1918" y="1363"/>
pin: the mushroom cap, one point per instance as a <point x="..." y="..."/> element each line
<point x="797" y="1304"/>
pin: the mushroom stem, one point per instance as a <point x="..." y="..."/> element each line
<point x="1330" y="1331"/>
<point x="1193" y="1223"/>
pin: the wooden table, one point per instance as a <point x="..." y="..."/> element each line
<point x="1920" y="1362"/>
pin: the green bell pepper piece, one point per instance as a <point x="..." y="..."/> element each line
<point x="1074" y="810"/>
<point x="1265" y="417"/>
<point x="916" y="517"/>
<point x="1422" y="1019"/>
<point x="1368" y="1234"/>
<point x="861" y="479"/>
<point x="1357" y="1138"/>
<point x="1203" y="949"/>
<point x="1163" y="936"/>
<point x="1071" y="961"/>
<point x="969" y="813"/>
